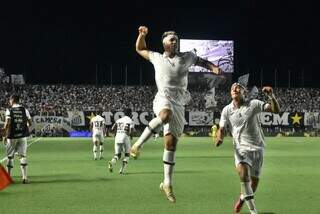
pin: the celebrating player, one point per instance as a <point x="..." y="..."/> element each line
<point x="98" y="128"/>
<point x="171" y="75"/>
<point x="124" y="128"/>
<point x="242" y="117"/>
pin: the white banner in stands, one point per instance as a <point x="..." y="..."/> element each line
<point x="200" y="118"/>
<point x="76" y="118"/>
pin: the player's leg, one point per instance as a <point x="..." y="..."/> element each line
<point x="10" y="150"/>
<point x="163" y="110"/>
<point x="153" y="127"/>
<point x="254" y="183"/>
<point x="10" y="164"/>
<point x="95" y="146"/>
<point x="255" y="170"/>
<point x="168" y="166"/>
<point x="257" y="162"/>
<point x="101" y="148"/>
<point x="24" y="169"/>
<point x="116" y="157"/>
<point x="125" y="161"/>
<point x="246" y="189"/>
<point x="22" y="152"/>
<point x="171" y="132"/>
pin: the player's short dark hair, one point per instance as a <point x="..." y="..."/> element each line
<point x="15" y="98"/>
<point x="128" y="112"/>
<point x="168" y="33"/>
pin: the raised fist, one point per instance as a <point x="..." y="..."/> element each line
<point x="143" y="30"/>
<point x="267" y="90"/>
<point x="216" y="70"/>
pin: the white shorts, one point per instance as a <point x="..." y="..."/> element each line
<point x="16" y="146"/>
<point x="253" y="158"/>
<point x="98" y="137"/>
<point x="176" y="124"/>
<point x="122" y="146"/>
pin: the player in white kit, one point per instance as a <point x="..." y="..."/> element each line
<point x="171" y="75"/>
<point x="242" y="117"/>
<point x="98" y="127"/>
<point x="124" y="128"/>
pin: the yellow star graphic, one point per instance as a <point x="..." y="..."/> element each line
<point x="296" y="119"/>
<point x="91" y="116"/>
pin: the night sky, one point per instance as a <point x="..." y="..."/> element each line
<point x="81" y="42"/>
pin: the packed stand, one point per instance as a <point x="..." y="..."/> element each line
<point x="58" y="99"/>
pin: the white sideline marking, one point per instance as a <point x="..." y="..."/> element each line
<point x="36" y="140"/>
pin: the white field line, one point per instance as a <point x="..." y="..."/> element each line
<point x="34" y="141"/>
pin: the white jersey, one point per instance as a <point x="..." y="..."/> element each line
<point x="98" y="124"/>
<point x="171" y="74"/>
<point x="124" y="125"/>
<point x="245" y="125"/>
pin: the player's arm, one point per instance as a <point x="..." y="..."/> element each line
<point x="6" y="130"/>
<point x="131" y="133"/>
<point x="220" y="136"/>
<point x="222" y="124"/>
<point x="105" y="130"/>
<point x="114" y="128"/>
<point x="29" y="120"/>
<point x="91" y="126"/>
<point x="274" y="106"/>
<point x="208" y="65"/>
<point x="141" y="46"/>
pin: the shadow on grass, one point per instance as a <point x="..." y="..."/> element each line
<point x="161" y="172"/>
<point x="60" y="178"/>
<point x="205" y="157"/>
<point x="263" y="213"/>
<point x="144" y="172"/>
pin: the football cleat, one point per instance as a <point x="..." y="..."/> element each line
<point x="110" y="166"/>
<point x="238" y="205"/>
<point x="135" y="152"/>
<point x="25" y="181"/>
<point x="167" y="190"/>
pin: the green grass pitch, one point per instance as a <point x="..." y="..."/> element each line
<point x="64" y="179"/>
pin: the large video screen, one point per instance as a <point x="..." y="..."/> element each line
<point x="219" y="52"/>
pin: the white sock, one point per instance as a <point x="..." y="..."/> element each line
<point x="23" y="166"/>
<point x="10" y="165"/>
<point x="169" y="160"/>
<point x="124" y="166"/>
<point x="94" y="151"/>
<point x="126" y="159"/>
<point x="114" y="160"/>
<point x="101" y="150"/>
<point x="153" y="126"/>
<point x="248" y="196"/>
<point x="241" y="197"/>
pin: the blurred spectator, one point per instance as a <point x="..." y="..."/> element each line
<point x="56" y="100"/>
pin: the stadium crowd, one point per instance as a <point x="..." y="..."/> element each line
<point x="58" y="99"/>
